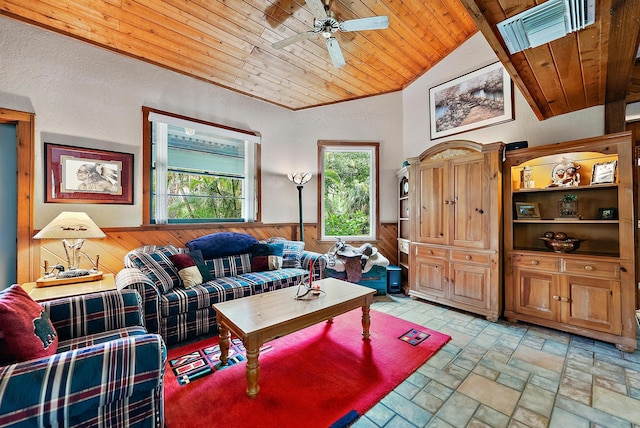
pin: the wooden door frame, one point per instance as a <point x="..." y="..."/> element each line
<point x="25" y="135"/>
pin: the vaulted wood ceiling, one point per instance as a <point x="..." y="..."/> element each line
<point x="228" y="43"/>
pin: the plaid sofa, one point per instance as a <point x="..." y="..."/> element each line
<point x="179" y="313"/>
<point x="107" y="372"/>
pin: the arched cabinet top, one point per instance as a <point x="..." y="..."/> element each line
<point x="456" y="148"/>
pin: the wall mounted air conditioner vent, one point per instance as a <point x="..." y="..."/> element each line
<point x="546" y="22"/>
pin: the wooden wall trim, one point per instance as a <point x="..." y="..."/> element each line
<point x="120" y="240"/>
<point x="25" y="134"/>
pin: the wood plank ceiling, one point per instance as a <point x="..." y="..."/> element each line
<point x="228" y="43"/>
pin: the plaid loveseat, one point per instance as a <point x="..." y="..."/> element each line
<point x="179" y="313"/>
<point x="107" y="372"/>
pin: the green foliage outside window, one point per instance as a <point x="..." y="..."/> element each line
<point x="347" y="178"/>
<point x="195" y="196"/>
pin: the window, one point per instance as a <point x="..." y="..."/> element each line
<point x="348" y="190"/>
<point x="197" y="171"/>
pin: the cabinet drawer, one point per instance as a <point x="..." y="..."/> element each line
<point x="471" y="257"/>
<point x="593" y="268"/>
<point x="537" y="262"/>
<point x="432" y="252"/>
<point x="403" y="246"/>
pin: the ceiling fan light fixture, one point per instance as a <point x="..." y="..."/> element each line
<point x="325" y="23"/>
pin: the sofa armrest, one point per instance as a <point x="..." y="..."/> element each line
<point x="59" y="389"/>
<point x="319" y="263"/>
<point x="134" y="279"/>
<point x="88" y="314"/>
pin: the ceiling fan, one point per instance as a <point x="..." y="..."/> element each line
<point x="327" y="24"/>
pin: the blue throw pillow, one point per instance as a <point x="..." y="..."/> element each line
<point x="222" y="244"/>
<point x="292" y="257"/>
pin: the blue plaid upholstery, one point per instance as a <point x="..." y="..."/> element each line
<point x="229" y="265"/>
<point x="111" y="377"/>
<point x="156" y="265"/>
<point x="183" y="313"/>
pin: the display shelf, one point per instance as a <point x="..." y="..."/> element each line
<point x="566" y="189"/>
<point x="554" y="221"/>
<point x="591" y="290"/>
<point x="403" y="226"/>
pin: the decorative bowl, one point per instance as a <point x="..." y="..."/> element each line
<point x="562" y="245"/>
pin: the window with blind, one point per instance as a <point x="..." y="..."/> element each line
<point x="200" y="172"/>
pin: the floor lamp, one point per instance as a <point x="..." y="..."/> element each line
<point x="300" y="179"/>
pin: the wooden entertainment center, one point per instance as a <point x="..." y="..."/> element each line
<point x="455" y="226"/>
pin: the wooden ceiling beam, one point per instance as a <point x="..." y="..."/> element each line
<point x="486" y="23"/>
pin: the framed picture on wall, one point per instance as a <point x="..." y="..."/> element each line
<point x="481" y="98"/>
<point x="89" y="176"/>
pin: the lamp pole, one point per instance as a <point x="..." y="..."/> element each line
<point x="300" y="187"/>
<point x="300" y="179"/>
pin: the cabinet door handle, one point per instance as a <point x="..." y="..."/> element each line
<point x="535" y="262"/>
<point x="555" y="297"/>
<point x="447" y="202"/>
<point x="564" y="299"/>
<point x="430" y="252"/>
<point x="468" y="257"/>
<point x="588" y="267"/>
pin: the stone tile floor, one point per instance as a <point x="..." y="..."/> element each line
<point x="508" y="375"/>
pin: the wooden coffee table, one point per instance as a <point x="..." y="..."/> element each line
<point x="263" y="317"/>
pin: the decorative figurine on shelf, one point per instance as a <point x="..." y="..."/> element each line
<point x="526" y="178"/>
<point x="565" y="174"/>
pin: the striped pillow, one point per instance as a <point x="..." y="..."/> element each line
<point x="158" y="267"/>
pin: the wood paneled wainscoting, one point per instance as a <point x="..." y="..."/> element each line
<point x="119" y="241"/>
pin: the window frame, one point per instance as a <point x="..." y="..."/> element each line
<point x="375" y="186"/>
<point x="147" y="170"/>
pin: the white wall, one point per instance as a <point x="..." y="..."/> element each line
<point x="86" y="96"/>
<point x="472" y="55"/>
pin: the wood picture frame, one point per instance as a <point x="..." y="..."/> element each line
<point x="87" y="176"/>
<point x="527" y="210"/>
<point x="604" y="172"/>
<point x="481" y="98"/>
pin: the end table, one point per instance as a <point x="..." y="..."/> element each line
<point x="57" y="291"/>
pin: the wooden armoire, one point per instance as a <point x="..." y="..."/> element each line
<point x="455" y="226"/>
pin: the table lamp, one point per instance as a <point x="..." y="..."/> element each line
<point x="72" y="228"/>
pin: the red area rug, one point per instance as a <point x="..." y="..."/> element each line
<point x="319" y="376"/>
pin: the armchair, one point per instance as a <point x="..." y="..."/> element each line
<point x="108" y="371"/>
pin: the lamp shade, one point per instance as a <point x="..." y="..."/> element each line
<point x="299" y="178"/>
<point x="70" y="225"/>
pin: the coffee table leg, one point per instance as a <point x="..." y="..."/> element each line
<point x="253" y="369"/>
<point x="225" y="336"/>
<point x="366" y="322"/>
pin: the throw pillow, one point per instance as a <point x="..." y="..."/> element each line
<point x="158" y="267"/>
<point x="222" y="244"/>
<point x="26" y="332"/>
<point x="191" y="268"/>
<point x="292" y="257"/>
<point x="266" y="256"/>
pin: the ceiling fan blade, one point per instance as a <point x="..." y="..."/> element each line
<point x="335" y="53"/>
<point x="372" y="23"/>
<point x="293" y="39"/>
<point x="317" y="8"/>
